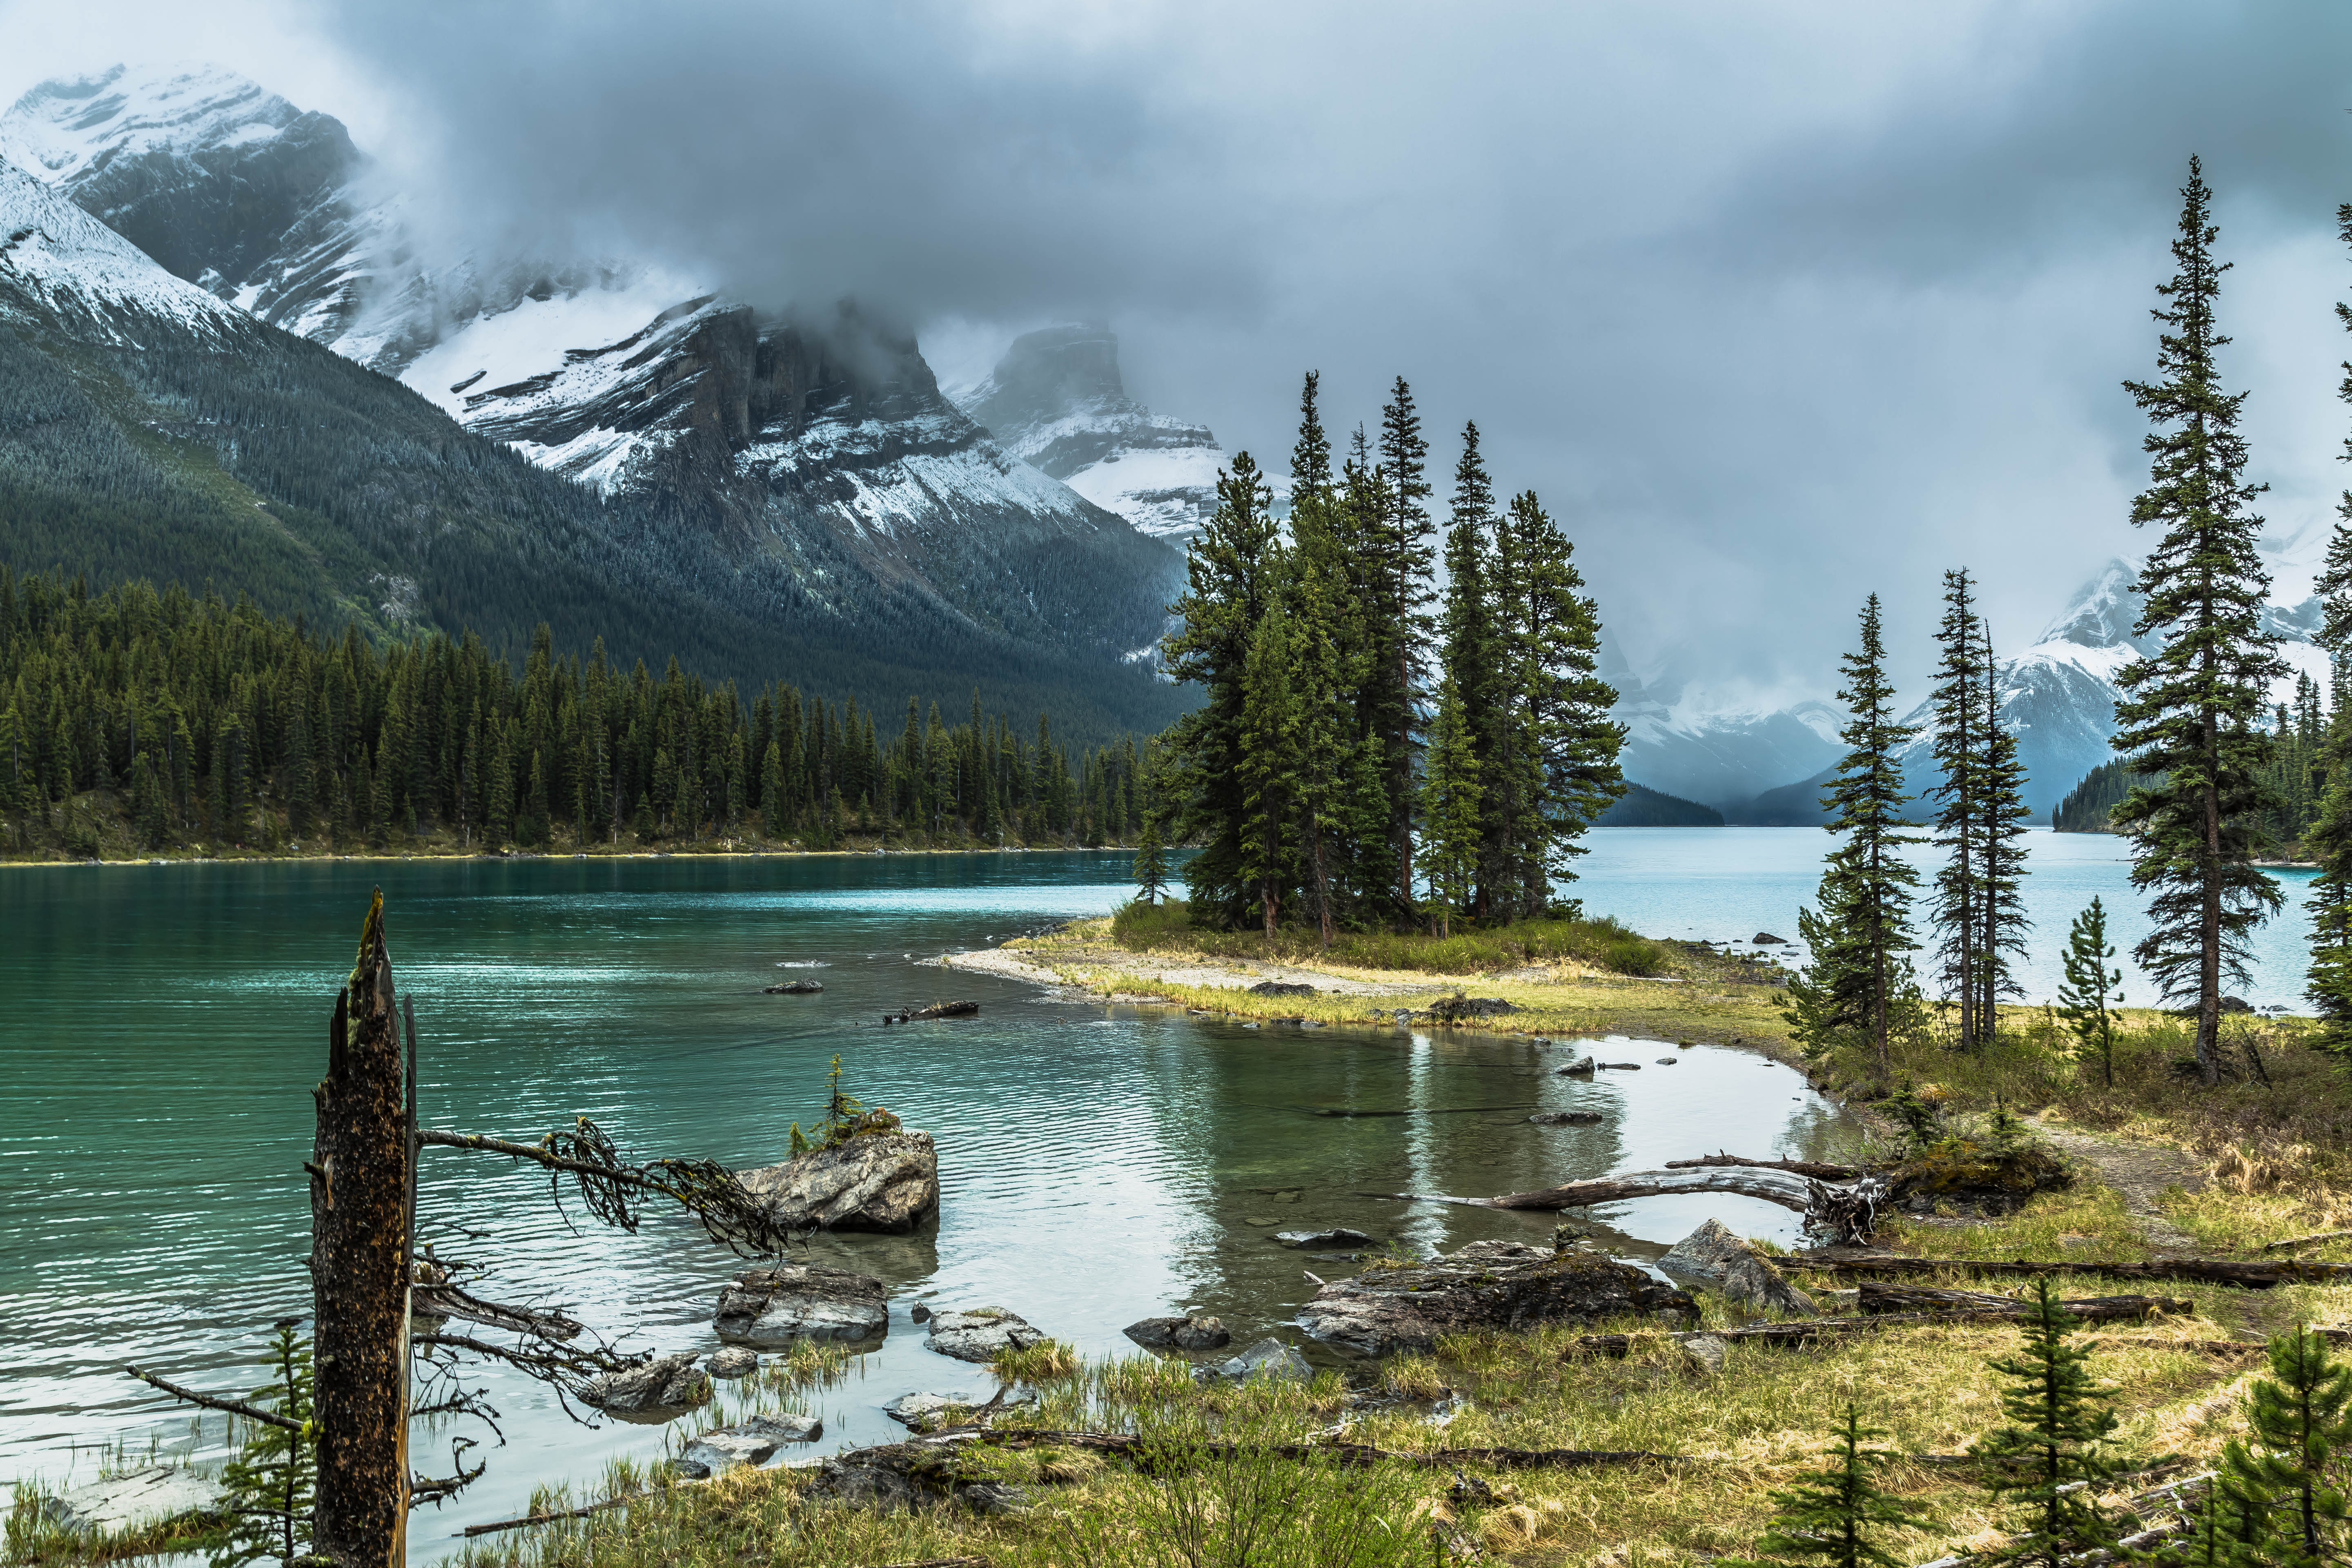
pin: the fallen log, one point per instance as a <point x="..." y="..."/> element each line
<point x="1782" y="1187"/>
<point x="1994" y="1308"/>
<point x="1814" y="1168"/>
<point x="2205" y="1270"/>
<point x="530" y="1519"/>
<point x="1347" y="1454"/>
<point x="794" y="988"/>
<point x="2307" y="1240"/>
<point x="1878" y="1297"/>
<point x="936" y="1010"/>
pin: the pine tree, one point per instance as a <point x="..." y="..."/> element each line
<point x="1470" y="660"/>
<point x="1150" y="872"/>
<point x="2090" y="986"/>
<point x="1829" y="1516"/>
<point x="1453" y="827"/>
<point x="2299" y="1421"/>
<point x="1956" y="707"/>
<point x="2001" y="838"/>
<point x="2060" y="1431"/>
<point x="1571" y="743"/>
<point x="272" y="1482"/>
<point x="2329" y="840"/>
<point x="1269" y="767"/>
<point x="1401" y="564"/>
<point x="1858" y="938"/>
<point x="2190" y="711"/>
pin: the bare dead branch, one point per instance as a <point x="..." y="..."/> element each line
<point x="215" y="1402"/>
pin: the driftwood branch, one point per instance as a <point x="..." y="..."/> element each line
<point x="936" y="1010"/>
<point x="1347" y="1454"/>
<point x="1996" y="1309"/>
<point x="215" y="1401"/>
<point x="568" y="1370"/>
<point x="1814" y="1168"/>
<point x="1774" y="1186"/>
<point x="1877" y="1298"/>
<point x="530" y="1519"/>
<point x="2307" y="1240"/>
<point x="445" y="1299"/>
<point x="2208" y="1271"/>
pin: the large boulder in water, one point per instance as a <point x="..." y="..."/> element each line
<point x="1485" y="1285"/>
<point x="662" y="1389"/>
<point x="982" y="1334"/>
<point x="768" y="1309"/>
<point x="886" y="1181"/>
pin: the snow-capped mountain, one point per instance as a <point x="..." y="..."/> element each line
<point x="2058" y="696"/>
<point x="1057" y="402"/>
<point x="1678" y="741"/>
<point x="820" y="440"/>
<point x="62" y="271"/>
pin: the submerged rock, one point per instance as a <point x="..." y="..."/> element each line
<point x="1268" y="1357"/>
<point x="135" y="1500"/>
<point x="1336" y="1239"/>
<point x="1485" y="1285"/>
<point x="980" y="1335"/>
<point x="796" y="988"/>
<point x="1713" y="1255"/>
<point x="753" y="1442"/>
<point x="1581" y="1068"/>
<point x="1766" y="939"/>
<point x="1566" y="1118"/>
<point x="1188" y="1333"/>
<point x="663" y="1389"/>
<point x="886" y="1181"/>
<point x="769" y="1309"/>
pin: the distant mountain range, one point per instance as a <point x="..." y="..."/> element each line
<point x="2058" y="696"/>
<point x="802" y="468"/>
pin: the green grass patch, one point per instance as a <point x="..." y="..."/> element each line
<point x="1603" y="943"/>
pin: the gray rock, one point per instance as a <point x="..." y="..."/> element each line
<point x="796" y="988"/>
<point x="1566" y="1118"/>
<point x="1712" y="1254"/>
<point x="1485" y="1285"/>
<point x="753" y="1442"/>
<point x="979" y="1335"/>
<point x="1619" y="1067"/>
<point x="734" y="1362"/>
<point x="663" y="1389"/>
<point x="1668" y="1061"/>
<point x="1766" y="939"/>
<point x="1322" y="1240"/>
<point x="1268" y="1357"/>
<point x="770" y="1309"/>
<point x="134" y="1499"/>
<point x="886" y="1182"/>
<point x="926" y="1412"/>
<point x="1581" y="1068"/>
<point x="1189" y="1333"/>
<point x="919" y="1313"/>
<point x="1281" y="988"/>
<point x="1703" y="1353"/>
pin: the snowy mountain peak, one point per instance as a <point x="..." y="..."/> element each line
<point x="63" y="127"/>
<point x="1056" y="400"/>
<point x="2102" y="612"/>
<point x="59" y="267"/>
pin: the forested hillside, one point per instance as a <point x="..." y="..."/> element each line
<point x="137" y="721"/>
<point x="2294" y="776"/>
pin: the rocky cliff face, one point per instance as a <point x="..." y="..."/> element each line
<point x="1056" y="401"/>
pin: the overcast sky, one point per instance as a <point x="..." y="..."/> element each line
<point x="1775" y="305"/>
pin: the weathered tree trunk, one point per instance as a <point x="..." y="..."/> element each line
<point x="1785" y="1188"/>
<point x="1877" y="1297"/>
<point x="360" y="1188"/>
<point x="1977" y="1308"/>
<point x="1814" y="1168"/>
<point x="2211" y="1270"/>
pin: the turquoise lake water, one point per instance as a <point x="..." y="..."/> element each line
<point x="161" y="1027"/>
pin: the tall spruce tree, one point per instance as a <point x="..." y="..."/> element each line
<point x="2001" y="838"/>
<point x="1832" y="1515"/>
<point x="1553" y="654"/>
<point x="1401" y="563"/>
<point x="2190" y="711"/>
<point x="1271" y="765"/>
<point x="1451" y="817"/>
<point x="1470" y="660"/>
<point x="2051" y="1458"/>
<point x="2329" y="841"/>
<point x="1958" y="714"/>
<point x="1856" y="981"/>
<point x="1232" y="575"/>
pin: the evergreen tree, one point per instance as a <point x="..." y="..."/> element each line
<point x="1571" y="742"/>
<point x="272" y="1482"/>
<point x="1956" y="706"/>
<point x="1269" y="768"/>
<point x="1831" y="1516"/>
<point x="1400" y="562"/>
<point x="1470" y="661"/>
<point x="2329" y="841"/>
<point x="1452" y="835"/>
<point x="2189" y="714"/>
<point x="2059" y="1432"/>
<point x="2299" y="1421"/>
<point x="2090" y="986"/>
<point x="2000" y="837"/>
<point x="1863" y="930"/>
<point x="1150" y="872"/>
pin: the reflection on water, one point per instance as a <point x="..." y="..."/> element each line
<point x="164" y="1025"/>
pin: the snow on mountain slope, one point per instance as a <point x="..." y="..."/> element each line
<point x="1680" y="740"/>
<point x="1056" y="400"/>
<point x="61" y="269"/>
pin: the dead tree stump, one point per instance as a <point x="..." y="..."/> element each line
<point x="360" y="1186"/>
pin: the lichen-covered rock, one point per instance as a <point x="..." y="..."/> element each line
<point x="1713" y="1255"/>
<point x="769" y="1309"/>
<point x="1703" y="1353"/>
<point x="663" y="1389"/>
<point x="1270" y="1358"/>
<point x="734" y="1362"/>
<point x="753" y="1442"/>
<point x="1188" y="1333"/>
<point x="1978" y="1173"/>
<point x="886" y="1181"/>
<point x="1485" y="1285"/>
<point x="980" y="1335"/>
<point x="151" y="1495"/>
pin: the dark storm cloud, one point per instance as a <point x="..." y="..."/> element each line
<point x="1776" y="305"/>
